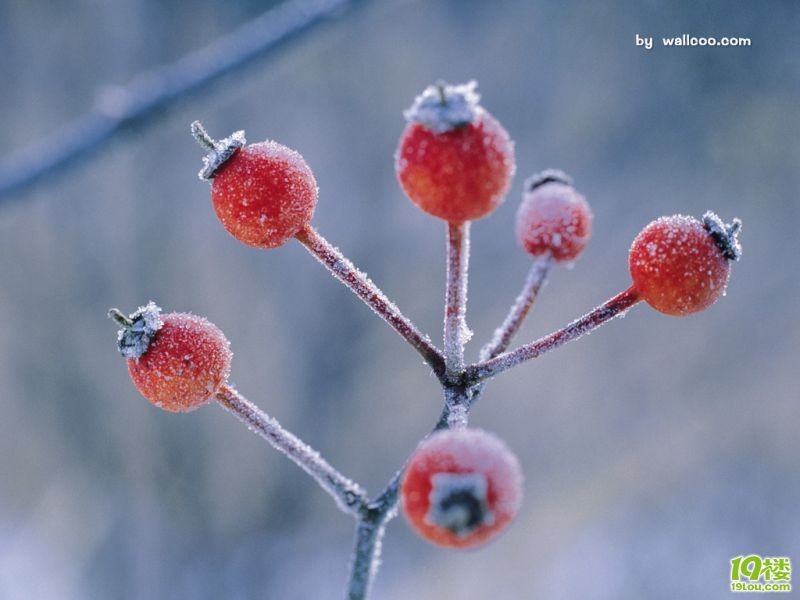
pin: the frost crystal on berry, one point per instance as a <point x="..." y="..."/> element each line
<point x="137" y="330"/>
<point x="459" y="502"/>
<point x="726" y="236"/>
<point x="442" y="107"/>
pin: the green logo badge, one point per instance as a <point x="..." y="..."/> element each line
<point x="754" y="573"/>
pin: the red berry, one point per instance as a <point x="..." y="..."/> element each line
<point x="680" y="265"/>
<point x="461" y="488"/>
<point x="553" y="218"/>
<point x="455" y="160"/>
<point x="177" y="361"/>
<point x="263" y="193"/>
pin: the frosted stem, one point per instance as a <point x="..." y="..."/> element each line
<point x="200" y="134"/>
<point x="537" y="276"/>
<point x="458" y="416"/>
<point x="456" y="333"/>
<point x="361" y="285"/>
<point x="348" y="495"/>
<point x="603" y="313"/>
<point x="366" y="556"/>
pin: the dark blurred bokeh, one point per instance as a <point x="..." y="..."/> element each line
<point x="654" y="450"/>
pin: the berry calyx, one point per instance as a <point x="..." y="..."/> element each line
<point x="263" y="193"/>
<point x="553" y="217"/>
<point x="461" y="488"/>
<point x="454" y="160"/>
<point x="218" y="151"/>
<point x="177" y="361"/>
<point x="680" y="265"/>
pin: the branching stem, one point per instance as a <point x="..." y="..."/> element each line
<point x="614" y="307"/>
<point x="462" y="385"/>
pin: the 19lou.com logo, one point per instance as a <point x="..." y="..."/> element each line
<point x="755" y="573"/>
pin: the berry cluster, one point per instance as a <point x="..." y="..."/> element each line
<point x="461" y="487"/>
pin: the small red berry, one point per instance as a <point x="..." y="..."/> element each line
<point x="455" y="160"/>
<point x="177" y="361"/>
<point x="461" y="488"/>
<point x="553" y="218"/>
<point x="680" y="265"/>
<point x="263" y="193"/>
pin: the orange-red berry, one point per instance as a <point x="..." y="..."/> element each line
<point x="680" y="265"/>
<point x="461" y="488"/>
<point x="455" y="160"/>
<point x="553" y="218"/>
<point x="177" y="361"/>
<point x="263" y="193"/>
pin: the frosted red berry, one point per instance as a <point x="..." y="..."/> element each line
<point x="461" y="488"/>
<point x="680" y="265"/>
<point x="177" y="361"/>
<point x="455" y="160"/>
<point x="263" y="193"/>
<point x="553" y="217"/>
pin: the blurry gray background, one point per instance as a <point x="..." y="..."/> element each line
<point x="654" y="450"/>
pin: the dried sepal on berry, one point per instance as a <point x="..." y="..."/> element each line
<point x="725" y="235"/>
<point x="263" y="193"/>
<point x="219" y="151"/>
<point x="461" y="488"/>
<point x="442" y="107"/>
<point x="553" y="217"/>
<point x="454" y="160"/>
<point x="177" y="361"/>
<point x="680" y="265"/>
<point x="137" y="329"/>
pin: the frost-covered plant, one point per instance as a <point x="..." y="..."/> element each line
<point x="462" y="486"/>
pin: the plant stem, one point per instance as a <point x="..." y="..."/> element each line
<point x="366" y="556"/>
<point x="361" y="285"/>
<point x="456" y="332"/>
<point x="605" y="312"/>
<point x="536" y="278"/>
<point x="348" y="495"/>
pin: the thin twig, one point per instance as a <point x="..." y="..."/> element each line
<point x="603" y="313"/>
<point x="158" y="88"/>
<point x="456" y="333"/>
<point x="536" y="278"/>
<point x="348" y="495"/>
<point x="361" y="285"/>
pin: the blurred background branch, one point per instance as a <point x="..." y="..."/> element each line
<point x="121" y="107"/>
